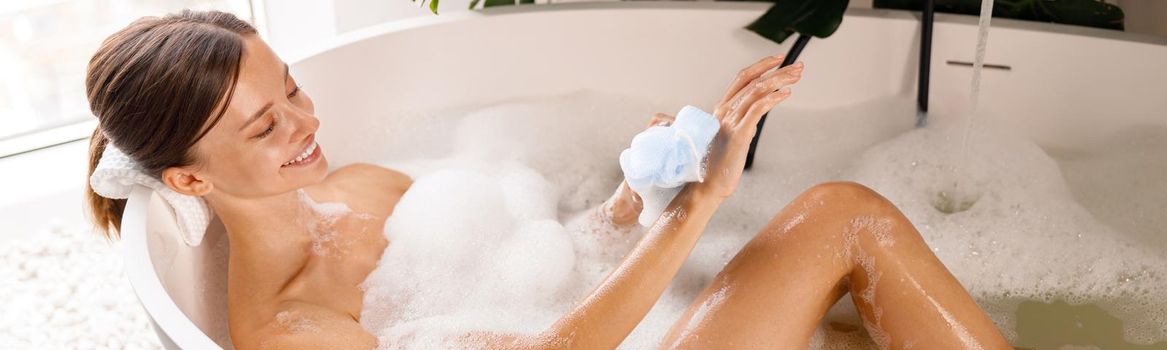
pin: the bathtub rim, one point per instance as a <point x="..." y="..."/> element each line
<point x="168" y="320"/>
<point x="358" y="35"/>
<point x="174" y="327"/>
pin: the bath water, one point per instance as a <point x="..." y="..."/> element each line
<point x="499" y="232"/>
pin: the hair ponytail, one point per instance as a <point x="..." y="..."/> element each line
<point x="154" y="87"/>
<point x="105" y="212"/>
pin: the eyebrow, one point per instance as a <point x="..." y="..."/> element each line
<point x="255" y="116"/>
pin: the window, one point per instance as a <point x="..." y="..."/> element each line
<point x="45" y="46"/>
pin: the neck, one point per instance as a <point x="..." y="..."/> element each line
<point x="259" y="221"/>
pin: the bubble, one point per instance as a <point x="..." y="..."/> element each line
<point x="499" y="233"/>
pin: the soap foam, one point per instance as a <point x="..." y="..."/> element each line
<point x="321" y="219"/>
<point x="1024" y="236"/>
<point x="501" y="265"/>
<point x="292" y="322"/>
<point x="500" y="233"/>
<point x="874" y="323"/>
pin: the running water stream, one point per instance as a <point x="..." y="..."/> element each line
<point x="959" y="199"/>
<point x="978" y="66"/>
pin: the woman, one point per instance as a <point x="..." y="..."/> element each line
<point x="201" y="102"/>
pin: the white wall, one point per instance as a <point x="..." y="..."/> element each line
<point x="295" y="26"/>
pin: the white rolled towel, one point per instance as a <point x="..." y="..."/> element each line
<point x="116" y="175"/>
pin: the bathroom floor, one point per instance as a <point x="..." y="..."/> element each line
<point x="64" y="288"/>
<point x="63" y="285"/>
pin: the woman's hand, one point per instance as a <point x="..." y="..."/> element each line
<point x="625" y="205"/>
<point x="614" y="308"/>
<point x="756" y="90"/>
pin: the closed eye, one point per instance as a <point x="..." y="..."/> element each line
<point x="270" y="127"/>
<point x="295" y="92"/>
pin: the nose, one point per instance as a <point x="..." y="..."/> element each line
<point x="304" y="124"/>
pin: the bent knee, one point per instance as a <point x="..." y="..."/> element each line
<point x="842" y="207"/>
<point x="831" y="201"/>
<point x="844" y="191"/>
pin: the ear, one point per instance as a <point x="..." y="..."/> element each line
<point x="185" y="181"/>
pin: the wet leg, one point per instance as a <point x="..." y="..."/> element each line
<point x="835" y="238"/>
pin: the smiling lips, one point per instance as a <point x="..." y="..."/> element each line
<point x="308" y="155"/>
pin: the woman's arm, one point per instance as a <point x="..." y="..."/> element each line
<point x="612" y="311"/>
<point x="614" y="308"/>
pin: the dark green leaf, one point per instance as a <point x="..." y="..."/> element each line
<point x="972" y="7"/>
<point x="1090" y="13"/>
<point x="1075" y="12"/>
<point x="819" y="18"/>
<point x="492" y="3"/>
<point x="473" y="4"/>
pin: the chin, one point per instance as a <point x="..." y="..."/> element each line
<point x="313" y="174"/>
<point x="320" y="171"/>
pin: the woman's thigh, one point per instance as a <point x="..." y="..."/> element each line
<point x="772" y="291"/>
<point x="833" y="239"/>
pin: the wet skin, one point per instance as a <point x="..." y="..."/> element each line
<point x="288" y="290"/>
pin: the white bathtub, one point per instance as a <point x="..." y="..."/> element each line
<point x="1074" y="86"/>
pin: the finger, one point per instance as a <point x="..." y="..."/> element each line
<point x="767" y="83"/>
<point x="784" y="77"/>
<point x="635" y="197"/>
<point x="745" y="76"/>
<point x="661" y="119"/>
<point x="766" y="75"/>
<point x="756" y="110"/>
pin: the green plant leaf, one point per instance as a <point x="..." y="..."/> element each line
<point x="493" y="3"/>
<point x="434" y="6"/>
<point x="1090" y="13"/>
<point x="473" y="3"/>
<point x="818" y="18"/>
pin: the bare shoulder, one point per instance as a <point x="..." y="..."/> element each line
<point x="302" y="325"/>
<point x="364" y="174"/>
<point x="369" y="185"/>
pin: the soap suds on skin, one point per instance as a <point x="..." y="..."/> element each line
<point x="874" y="323"/>
<point x="466" y="257"/>
<point x="295" y="323"/>
<point x="322" y="221"/>
<point x="713" y="302"/>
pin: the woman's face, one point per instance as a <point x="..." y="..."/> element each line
<point x="265" y="144"/>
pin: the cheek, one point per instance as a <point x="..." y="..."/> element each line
<point x="274" y="157"/>
<point x="263" y="161"/>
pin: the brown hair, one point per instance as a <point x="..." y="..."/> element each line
<point x="153" y="86"/>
